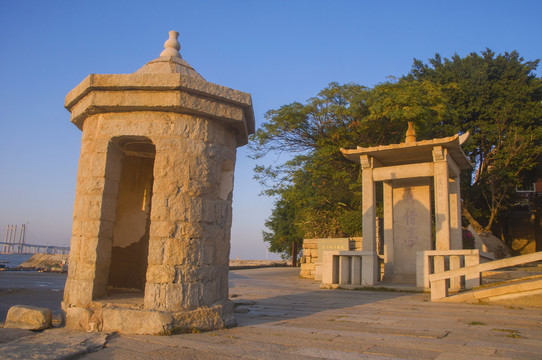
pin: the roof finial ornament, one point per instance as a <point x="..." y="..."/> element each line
<point x="172" y="45"/>
<point x="411" y="133"/>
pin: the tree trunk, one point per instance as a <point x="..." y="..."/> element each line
<point x="475" y="224"/>
<point x="490" y="223"/>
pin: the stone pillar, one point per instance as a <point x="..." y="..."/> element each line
<point x="455" y="263"/>
<point x="456" y="232"/>
<point x="388" y="229"/>
<point x="369" y="265"/>
<point x="442" y="198"/>
<point x="344" y="269"/>
<point x="472" y="280"/>
<point x="356" y="270"/>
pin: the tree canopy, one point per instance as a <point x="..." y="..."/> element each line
<point x="496" y="98"/>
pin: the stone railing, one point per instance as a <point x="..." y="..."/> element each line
<point x="439" y="280"/>
<point x="347" y="267"/>
<point x="434" y="261"/>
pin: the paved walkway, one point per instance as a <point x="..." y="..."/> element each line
<point x="285" y="317"/>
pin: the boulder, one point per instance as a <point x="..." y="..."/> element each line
<point x="495" y="245"/>
<point x="28" y="317"/>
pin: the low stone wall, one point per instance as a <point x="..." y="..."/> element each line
<point x="309" y="258"/>
<point x="310" y="255"/>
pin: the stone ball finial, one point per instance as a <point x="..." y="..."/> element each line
<point x="411" y="133"/>
<point x="172" y="45"/>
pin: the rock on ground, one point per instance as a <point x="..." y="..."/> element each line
<point x="28" y="317"/>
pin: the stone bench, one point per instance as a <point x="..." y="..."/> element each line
<point x="348" y="267"/>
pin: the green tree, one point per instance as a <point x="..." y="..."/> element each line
<point x="316" y="186"/>
<point x="394" y="104"/>
<point x="282" y="230"/>
<point x="317" y="181"/>
<point x="498" y="99"/>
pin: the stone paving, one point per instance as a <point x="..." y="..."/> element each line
<point x="281" y="316"/>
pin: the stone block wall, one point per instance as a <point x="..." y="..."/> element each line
<point x="190" y="214"/>
<point x="310" y="255"/>
<point x="309" y="258"/>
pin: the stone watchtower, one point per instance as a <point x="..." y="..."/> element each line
<point x="153" y="208"/>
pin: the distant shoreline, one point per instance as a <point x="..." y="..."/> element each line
<point x="47" y="262"/>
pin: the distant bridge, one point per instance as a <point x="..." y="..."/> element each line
<point x="12" y="245"/>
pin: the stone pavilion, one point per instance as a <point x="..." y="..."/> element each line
<point x="153" y="210"/>
<point x="410" y="173"/>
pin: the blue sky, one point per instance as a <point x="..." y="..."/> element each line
<point x="278" y="51"/>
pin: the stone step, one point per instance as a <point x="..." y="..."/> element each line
<point x="503" y="291"/>
<point x="494" y="276"/>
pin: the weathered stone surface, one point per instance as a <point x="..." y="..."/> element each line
<point x="411" y="225"/>
<point x="53" y="344"/>
<point x="9" y="335"/>
<point x="129" y="321"/>
<point x="135" y="92"/>
<point x="77" y="317"/>
<point x="28" y="317"/>
<point x="152" y="215"/>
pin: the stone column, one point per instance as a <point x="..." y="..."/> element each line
<point x="456" y="235"/>
<point x="442" y="198"/>
<point x="355" y="274"/>
<point x="344" y="269"/>
<point x="89" y="257"/>
<point x="369" y="274"/>
<point x="388" y="228"/>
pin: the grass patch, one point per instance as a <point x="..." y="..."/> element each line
<point x="476" y="323"/>
<point x="507" y="330"/>
<point x="514" y="307"/>
<point x="513" y="336"/>
<point x="179" y="331"/>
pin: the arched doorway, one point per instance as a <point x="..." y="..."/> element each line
<point x="130" y="235"/>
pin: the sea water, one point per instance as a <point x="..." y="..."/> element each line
<point x="13" y="260"/>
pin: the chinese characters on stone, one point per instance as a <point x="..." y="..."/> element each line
<point x="410" y="218"/>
